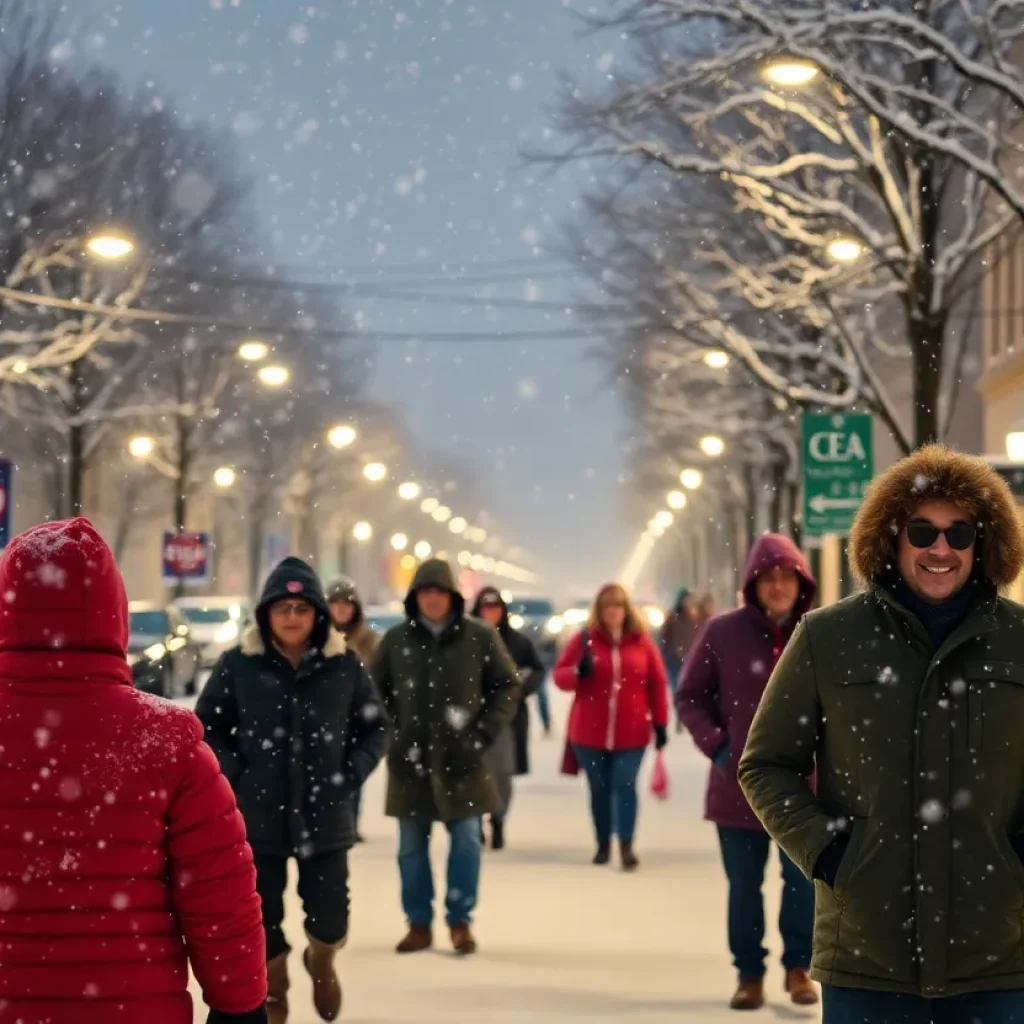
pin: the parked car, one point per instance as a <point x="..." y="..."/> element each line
<point x="536" y="617"/>
<point x="164" y="658"/>
<point x="381" y="617"/>
<point x="216" y="623"/>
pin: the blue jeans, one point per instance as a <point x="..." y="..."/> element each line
<point x="744" y="856"/>
<point x="543" y="705"/>
<point x="611" y="775"/>
<point x="863" y="1006"/>
<point x="418" y="880"/>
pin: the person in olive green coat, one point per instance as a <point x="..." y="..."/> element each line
<point x="909" y="700"/>
<point x="450" y="688"/>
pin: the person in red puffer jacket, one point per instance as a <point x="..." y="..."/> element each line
<point x="616" y="672"/>
<point x="122" y="855"/>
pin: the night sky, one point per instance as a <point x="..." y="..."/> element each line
<point x="391" y="132"/>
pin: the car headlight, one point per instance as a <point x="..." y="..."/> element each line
<point x="155" y="653"/>
<point x="574" y="616"/>
<point x="133" y="660"/>
<point x="227" y="633"/>
<point x="555" y="625"/>
<point x="516" y="621"/>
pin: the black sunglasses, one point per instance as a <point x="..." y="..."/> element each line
<point x="959" y="536"/>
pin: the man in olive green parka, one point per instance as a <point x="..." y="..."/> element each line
<point x="450" y="688"/>
<point x="908" y="699"/>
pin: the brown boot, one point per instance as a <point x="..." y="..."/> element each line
<point x="277" y="989"/>
<point x="800" y="987"/>
<point x="419" y="938"/>
<point x="630" y="861"/>
<point x="462" y="940"/>
<point x="749" y="995"/>
<point x="319" y="963"/>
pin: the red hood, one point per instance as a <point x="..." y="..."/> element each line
<point x="776" y="551"/>
<point x="60" y="588"/>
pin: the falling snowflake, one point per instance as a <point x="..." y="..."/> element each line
<point x="516" y="82"/>
<point x="458" y="717"/>
<point x="298" y="34"/>
<point x="932" y="811"/>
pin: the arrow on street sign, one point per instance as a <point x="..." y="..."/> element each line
<point x="820" y="504"/>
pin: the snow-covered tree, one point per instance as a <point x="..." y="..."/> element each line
<point x="792" y="133"/>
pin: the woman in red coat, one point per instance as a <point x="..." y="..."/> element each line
<point x="614" y="669"/>
<point x="122" y="855"/>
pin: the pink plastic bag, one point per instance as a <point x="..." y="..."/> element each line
<point x="659" y="779"/>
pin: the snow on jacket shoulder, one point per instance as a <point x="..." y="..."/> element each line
<point x="616" y="707"/>
<point x="121" y="849"/>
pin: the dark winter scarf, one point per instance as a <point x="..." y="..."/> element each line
<point x="939" y="620"/>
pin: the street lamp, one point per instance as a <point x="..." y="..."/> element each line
<point x="409" y="491"/>
<point x="110" y="245"/>
<point x="790" y="72"/>
<point x="712" y="446"/>
<point x="465" y="557"/>
<point x="224" y="477"/>
<point x="422" y="549"/>
<point x="375" y="471"/>
<point x="664" y="518"/>
<point x="274" y="376"/>
<point x="1015" y="443"/>
<point x="716" y="359"/>
<point x="428" y="505"/>
<point x="441" y="514"/>
<point x="399" y="541"/>
<point x="341" y="436"/>
<point x="362" y="531"/>
<point x="141" y="447"/>
<point x="458" y="525"/>
<point x="676" y="500"/>
<point x="253" y="351"/>
<point x="844" y="250"/>
<point x="20" y="366"/>
<point x="691" y="479"/>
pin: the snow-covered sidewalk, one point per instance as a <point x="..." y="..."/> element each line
<point x="560" y="939"/>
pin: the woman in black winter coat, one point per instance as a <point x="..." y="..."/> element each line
<point x="510" y="754"/>
<point x="297" y="726"/>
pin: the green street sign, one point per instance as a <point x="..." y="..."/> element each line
<point x="838" y="462"/>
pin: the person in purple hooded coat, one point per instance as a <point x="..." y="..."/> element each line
<point x="723" y="678"/>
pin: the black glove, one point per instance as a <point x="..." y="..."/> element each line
<point x="660" y="737"/>
<point x="257" y="1016"/>
<point x="585" y="668"/>
<point x="826" y="868"/>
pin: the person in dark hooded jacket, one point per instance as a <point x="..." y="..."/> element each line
<point x="297" y="726"/>
<point x="724" y="676"/>
<point x="509" y="756"/>
<point x="450" y="688"/>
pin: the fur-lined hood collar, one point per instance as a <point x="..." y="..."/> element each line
<point x="936" y="471"/>
<point x="253" y="645"/>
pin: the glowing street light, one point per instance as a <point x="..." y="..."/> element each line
<point x="274" y="376"/>
<point x="691" y="479"/>
<point x="110" y="245"/>
<point x="716" y="359"/>
<point x="428" y="505"/>
<point x="844" y="250"/>
<point x="664" y="519"/>
<point x="253" y="351"/>
<point x="399" y="541"/>
<point x="1015" y="443"/>
<point x="712" y="446"/>
<point x="224" y="477"/>
<point x="676" y="500"/>
<point x="375" y="471"/>
<point x="409" y="491"/>
<point x="465" y="557"/>
<point x="790" y="72"/>
<point x="20" y="366"/>
<point x="362" y="531"/>
<point x="141" y="447"/>
<point x="341" y="436"/>
<point x="458" y="525"/>
<point x="441" y="514"/>
<point x="422" y="549"/>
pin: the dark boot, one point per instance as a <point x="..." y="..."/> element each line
<point x="630" y="861"/>
<point x="604" y="854"/>
<point x="462" y="940"/>
<point x="800" y="987"/>
<point x="319" y="962"/>
<point x="749" y="995"/>
<point x="277" y="989"/>
<point x="419" y="938"/>
<point x="497" y="834"/>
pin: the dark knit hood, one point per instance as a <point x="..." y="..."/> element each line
<point x="344" y="588"/>
<point x="294" y="579"/>
<point x="435" y="572"/>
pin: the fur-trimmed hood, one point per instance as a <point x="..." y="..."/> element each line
<point x="936" y="471"/>
<point x="253" y="645"/>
